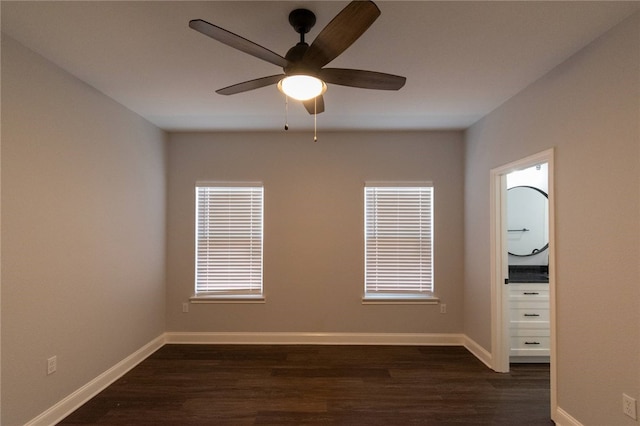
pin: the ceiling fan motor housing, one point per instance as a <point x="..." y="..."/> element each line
<point x="294" y="56"/>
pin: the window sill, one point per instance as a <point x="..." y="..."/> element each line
<point x="231" y="298"/>
<point x="399" y="299"/>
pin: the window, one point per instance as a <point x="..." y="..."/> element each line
<point x="399" y="241"/>
<point x="229" y="240"/>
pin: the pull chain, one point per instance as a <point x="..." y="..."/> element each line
<point x="315" y="119"/>
<point x="286" y="112"/>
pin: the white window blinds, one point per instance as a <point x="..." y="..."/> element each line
<point x="398" y="240"/>
<point x="229" y="240"/>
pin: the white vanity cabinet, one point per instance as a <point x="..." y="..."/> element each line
<point x="529" y="322"/>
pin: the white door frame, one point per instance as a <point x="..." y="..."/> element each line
<point x="500" y="266"/>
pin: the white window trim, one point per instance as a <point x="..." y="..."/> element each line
<point x="227" y="297"/>
<point x="400" y="299"/>
<point x="409" y="298"/>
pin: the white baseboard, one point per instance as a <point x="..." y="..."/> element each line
<point x="478" y="351"/>
<point x="421" y="339"/>
<point x="562" y="418"/>
<point x="69" y="404"/>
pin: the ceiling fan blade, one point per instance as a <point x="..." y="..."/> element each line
<point x="250" y="85"/>
<point x="237" y="42"/>
<point x="315" y="105"/>
<point x="362" y="79"/>
<point x="341" y="32"/>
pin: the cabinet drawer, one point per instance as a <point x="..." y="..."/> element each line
<point x="530" y="344"/>
<point x="529" y="287"/>
<point x="533" y="295"/>
<point x="532" y="314"/>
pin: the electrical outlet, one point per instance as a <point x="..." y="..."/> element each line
<point x="443" y="308"/>
<point x="52" y="365"/>
<point x="629" y="406"/>
<point x="185" y="307"/>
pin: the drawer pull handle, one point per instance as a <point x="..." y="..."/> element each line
<point x="531" y="315"/>
<point x="531" y="293"/>
<point x="531" y="343"/>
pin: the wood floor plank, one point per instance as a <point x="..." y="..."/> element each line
<point x="298" y="384"/>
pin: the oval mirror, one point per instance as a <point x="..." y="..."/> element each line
<point x="528" y="220"/>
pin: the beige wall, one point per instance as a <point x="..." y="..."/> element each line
<point x="83" y="242"/>
<point x="588" y="108"/>
<point x="313" y="252"/>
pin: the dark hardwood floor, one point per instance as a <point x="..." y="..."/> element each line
<point x="290" y="384"/>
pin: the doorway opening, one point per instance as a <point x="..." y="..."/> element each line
<point x="523" y="250"/>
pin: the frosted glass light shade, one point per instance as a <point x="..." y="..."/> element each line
<point x="302" y="87"/>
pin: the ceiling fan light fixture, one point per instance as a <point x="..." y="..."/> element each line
<point x="302" y="87"/>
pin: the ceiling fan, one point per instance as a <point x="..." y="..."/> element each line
<point x="305" y="62"/>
